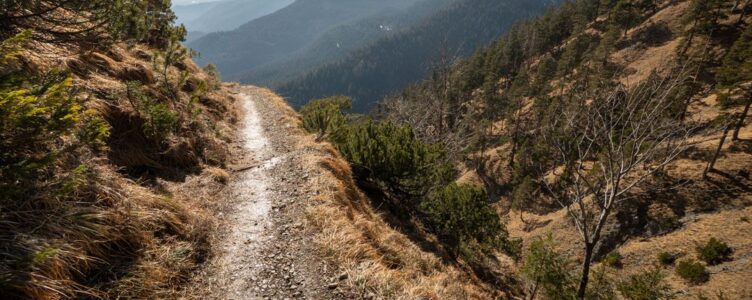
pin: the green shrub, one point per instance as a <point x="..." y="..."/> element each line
<point x="460" y="214"/>
<point x="666" y="258"/>
<point x="94" y="130"/>
<point x="394" y="158"/>
<point x="692" y="271"/>
<point x="34" y="120"/>
<point x="173" y="53"/>
<point x="649" y="285"/>
<point x="213" y="72"/>
<point x="160" y="120"/>
<point x="549" y="270"/>
<point x="325" y="117"/>
<point x="601" y="285"/>
<point x="714" y="252"/>
<point x="613" y="260"/>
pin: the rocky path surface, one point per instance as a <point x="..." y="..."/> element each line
<point x="264" y="251"/>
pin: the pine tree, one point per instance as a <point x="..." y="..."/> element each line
<point x="624" y="15"/>
<point x="737" y="71"/>
<point x="91" y="21"/>
<point x="461" y="214"/>
<point x="703" y="15"/>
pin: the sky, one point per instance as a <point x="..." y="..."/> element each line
<point x="184" y="2"/>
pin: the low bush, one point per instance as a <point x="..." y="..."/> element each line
<point x="459" y="214"/>
<point x="394" y="158"/>
<point x="666" y="258"/>
<point x="649" y="285"/>
<point x="714" y="252"/>
<point x="613" y="260"/>
<point x="159" y="120"/>
<point x="692" y="271"/>
<point x="548" y="270"/>
<point x="325" y="117"/>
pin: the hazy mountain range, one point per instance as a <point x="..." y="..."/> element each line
<point x="212" y="16"/>
<point x="361" y="48"/>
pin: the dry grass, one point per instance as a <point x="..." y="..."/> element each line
<point x="718" y="207"/>
<point x="111" y="236"/>
<point x="380" y="261"/>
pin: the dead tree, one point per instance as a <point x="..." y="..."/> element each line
<point x="714" y="159"/>
<point x="604" y="145"/>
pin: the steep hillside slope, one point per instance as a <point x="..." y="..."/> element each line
<point x="275" y="36"/>
<point x="391" y="63"/>
<point x="493" y="113"/>
<point x="340" y="41"/>
<point x="113" y="145"/>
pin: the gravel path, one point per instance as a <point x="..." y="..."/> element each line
<point x="265" y="251"/>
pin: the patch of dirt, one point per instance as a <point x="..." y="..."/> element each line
<point x="265" y="249"/>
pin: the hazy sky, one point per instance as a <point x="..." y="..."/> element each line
<point x="183" y="2"/>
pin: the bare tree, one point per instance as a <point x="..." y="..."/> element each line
<point x="604" y="145"/>
<point x="717" y="153"/>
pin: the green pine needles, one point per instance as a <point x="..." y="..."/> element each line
<point x="40" y="118"/>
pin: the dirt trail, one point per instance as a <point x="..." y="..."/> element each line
<point x="263" y="251"/>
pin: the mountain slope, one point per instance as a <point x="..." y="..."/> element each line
<point x="109" y="161"/>
<point x="391" y="63"/>
<point x="189" y="12"/>
<point x="275" y="36"/>
<point x="340" y="41"/>
<point x="229" y="14"/>
<point x="499" y="110"/>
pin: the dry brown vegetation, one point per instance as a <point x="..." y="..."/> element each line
<point x="138" y="220"/>
<point x="675" y="211"/>
<point x="680" y="218"/>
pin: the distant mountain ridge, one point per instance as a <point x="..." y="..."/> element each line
<point x="275" y="36"/>
<point x="230" y="14"/>
<point x="340" y="41"/>
<point x="394" y="61"/>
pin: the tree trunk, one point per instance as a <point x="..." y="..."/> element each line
<point x="689" y="39"/>
<point x="589" y="247"/>
<point x="686" y="109"/>
<point x="535" y="290"/>
<point x="743" y="12"/>
<point x="740" y="123"/>
<point x="711" y="164"/>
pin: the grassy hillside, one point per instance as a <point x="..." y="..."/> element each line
<point x="390" y="63"/>
<point x="113" y="144"/>
<point x="611" y="138"/>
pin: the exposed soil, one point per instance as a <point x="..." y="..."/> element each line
<point x="264" y="249"/>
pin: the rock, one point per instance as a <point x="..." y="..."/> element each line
<point x="141" y="54"/>
<point x="137" y="73"/>
<point x="342" y="276"/>
<point x="192" y="84"/>
<point x="77" y="66"/>
<point x="332" y="285"/>
<point x="101" y="63"/>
